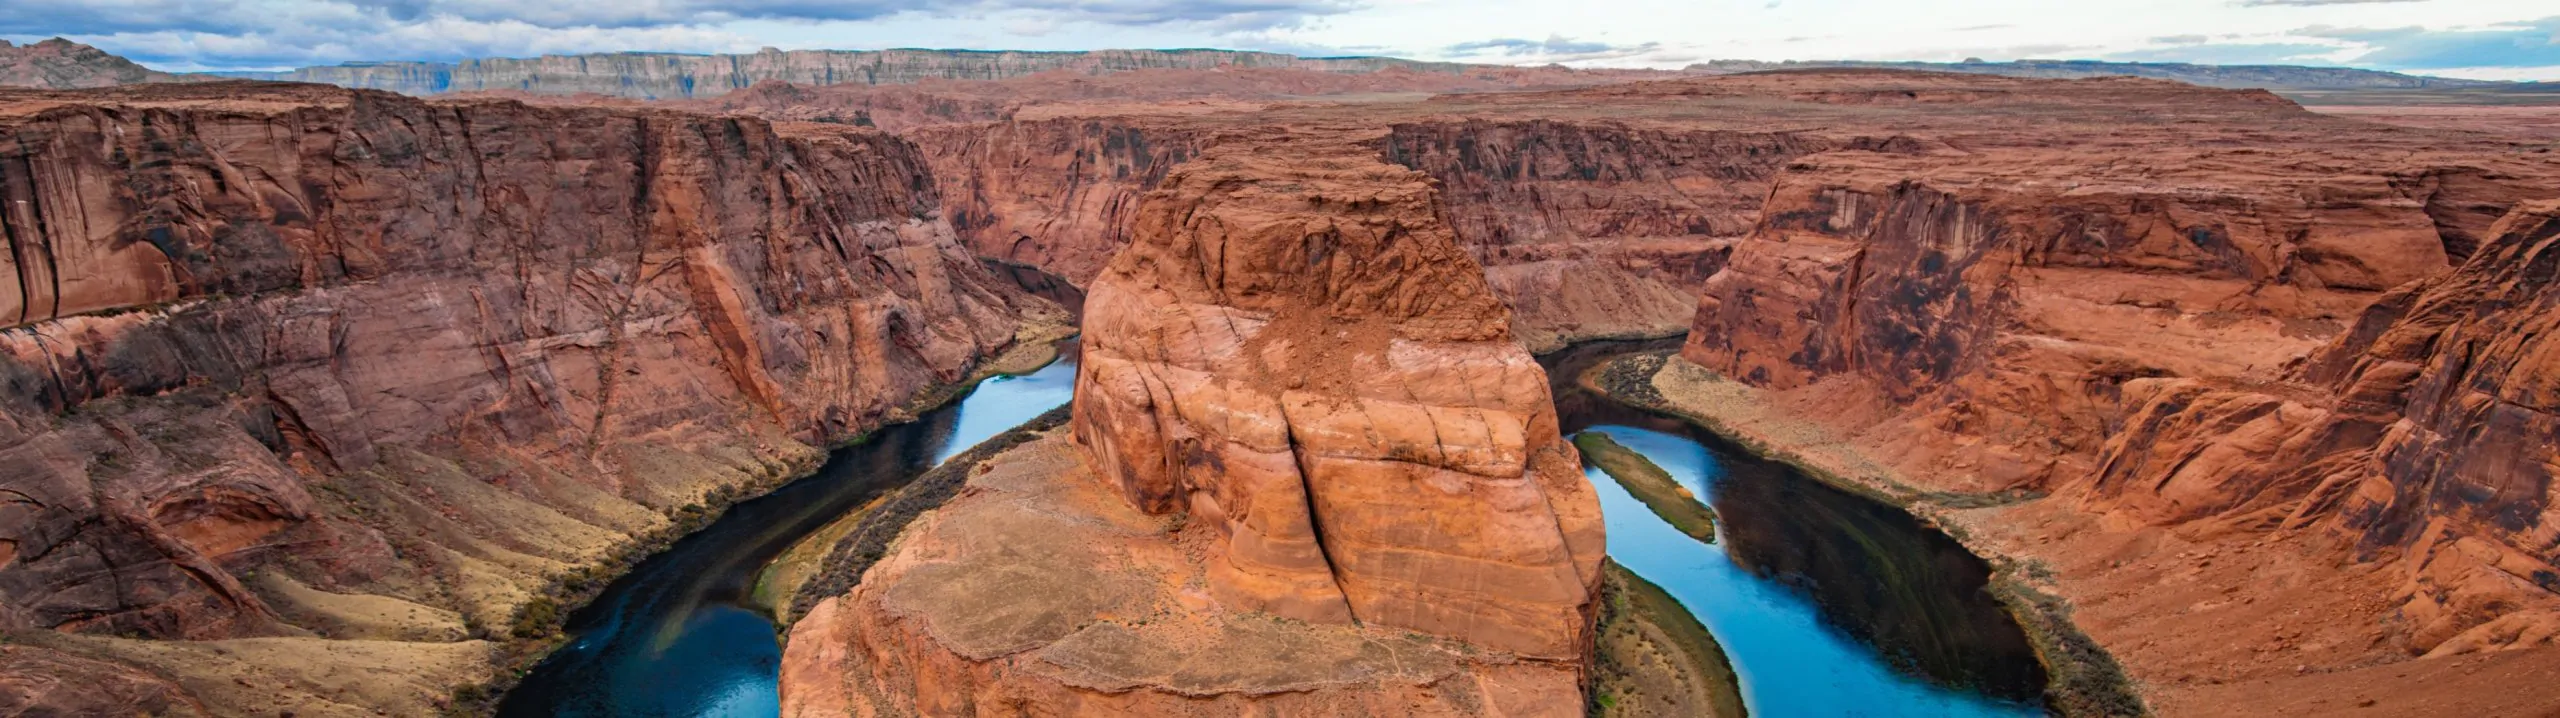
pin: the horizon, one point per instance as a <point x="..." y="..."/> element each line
<point x="2471" y="39"/>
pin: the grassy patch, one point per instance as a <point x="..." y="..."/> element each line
<point x="1655" y="658"/>
<point x="779" y="584"/>
<point x="1650" y="484"/>
<point x="2086" y="680"/>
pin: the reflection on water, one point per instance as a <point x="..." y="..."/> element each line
<point x="677" y="636"/>
<point x="1828" y="603"/>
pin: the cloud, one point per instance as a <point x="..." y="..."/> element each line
<point x="2525" y="44"/>
<point x="1217" y="15"/>
<point x="2181" y="40"/>
<point x="1562" y="50"/>
<point x="1553" y="45"/>
<point x="1979" y="28"/>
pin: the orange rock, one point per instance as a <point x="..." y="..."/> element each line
<point x="218" y="294"/>
<point x="1294" y="351"/>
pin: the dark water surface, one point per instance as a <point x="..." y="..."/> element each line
<point x="1830" y="604"/>
<point x="678" y="636"/>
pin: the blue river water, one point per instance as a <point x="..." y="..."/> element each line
<point x="1791" y="659"/>
<point x="680" y="636"/>
<point x="1828" y="603"/>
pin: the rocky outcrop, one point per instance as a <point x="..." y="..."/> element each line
<point x="428" y="352"/>
<point x="1059" y="194"/>
<point x="1310" y="474"/>
<point x="942" y="627"/>
<point x="2421" y="432"/>
<point x="1596" y="230"/>
<point x="651" y="75"/>
<point x="60" y="64"/>
<point x="1294" y="351"/>
<point x="1587" y="231"/>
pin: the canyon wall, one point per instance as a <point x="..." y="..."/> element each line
<point x="1058" y="194"/>
<point x="275" y="351"/>
<point x="646" y="75"/>
<point x="1596" y="230"/>
<point x="2220" y="342"/>
<point x="2425" y="437"/>
<point x="1587" y="230"/>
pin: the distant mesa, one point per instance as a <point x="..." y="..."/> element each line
<point x="60" y="64"/>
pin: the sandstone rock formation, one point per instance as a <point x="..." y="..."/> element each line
<point x="427" y="353"/>
<point x="2112" y="291"/>
<point x="1311" y="475"/>
<point x="1588" y="231"/>
<point x="2430" y="441"/>
<point x="1040" y="588"/>
<point x="1294" y="351"/>
<point x="60" y="64"/>
<point x="1060" y="194"/>
<point x="935" y="101"/>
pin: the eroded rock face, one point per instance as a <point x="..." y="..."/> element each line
<point x="2431" y="443"/>
<point x="1596" y="230"/>
<point x="1294" y="351"/>
<point x="673" y="76"/>
<point x="1118" y="625"/>
<point x="428" y="351"/>
<point x="2165" y="335"/>
<point x="1059" y="194"/>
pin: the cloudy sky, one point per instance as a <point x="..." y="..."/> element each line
<point x="2499" y="39"/>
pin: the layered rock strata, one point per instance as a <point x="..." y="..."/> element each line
<point x="1040" y="588"/>
<point x="380" y="352"/>
<point x="647" y="75"/>
<point x="1294" y="352"/>
<point x="1991" y="288"/>
<point x="2423" y="431"/>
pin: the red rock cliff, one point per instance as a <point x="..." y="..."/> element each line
<point x="427" y="351"/>
<point x="2422" y="433"/>
<point x="1295" y="351"/>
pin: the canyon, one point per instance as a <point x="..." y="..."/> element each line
<point x="2078" y="321"/>
<point x="322" y="380"/>
<point x="1294" y="364"/>
<point x="303" y="382"/>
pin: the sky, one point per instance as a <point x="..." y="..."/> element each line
<point x="2489" y="39"/>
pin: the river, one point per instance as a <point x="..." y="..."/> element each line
<point x="1828" y="603"/>
<point x="679" y="635"/>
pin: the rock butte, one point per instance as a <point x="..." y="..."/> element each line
<point x="1293" y="357"/>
